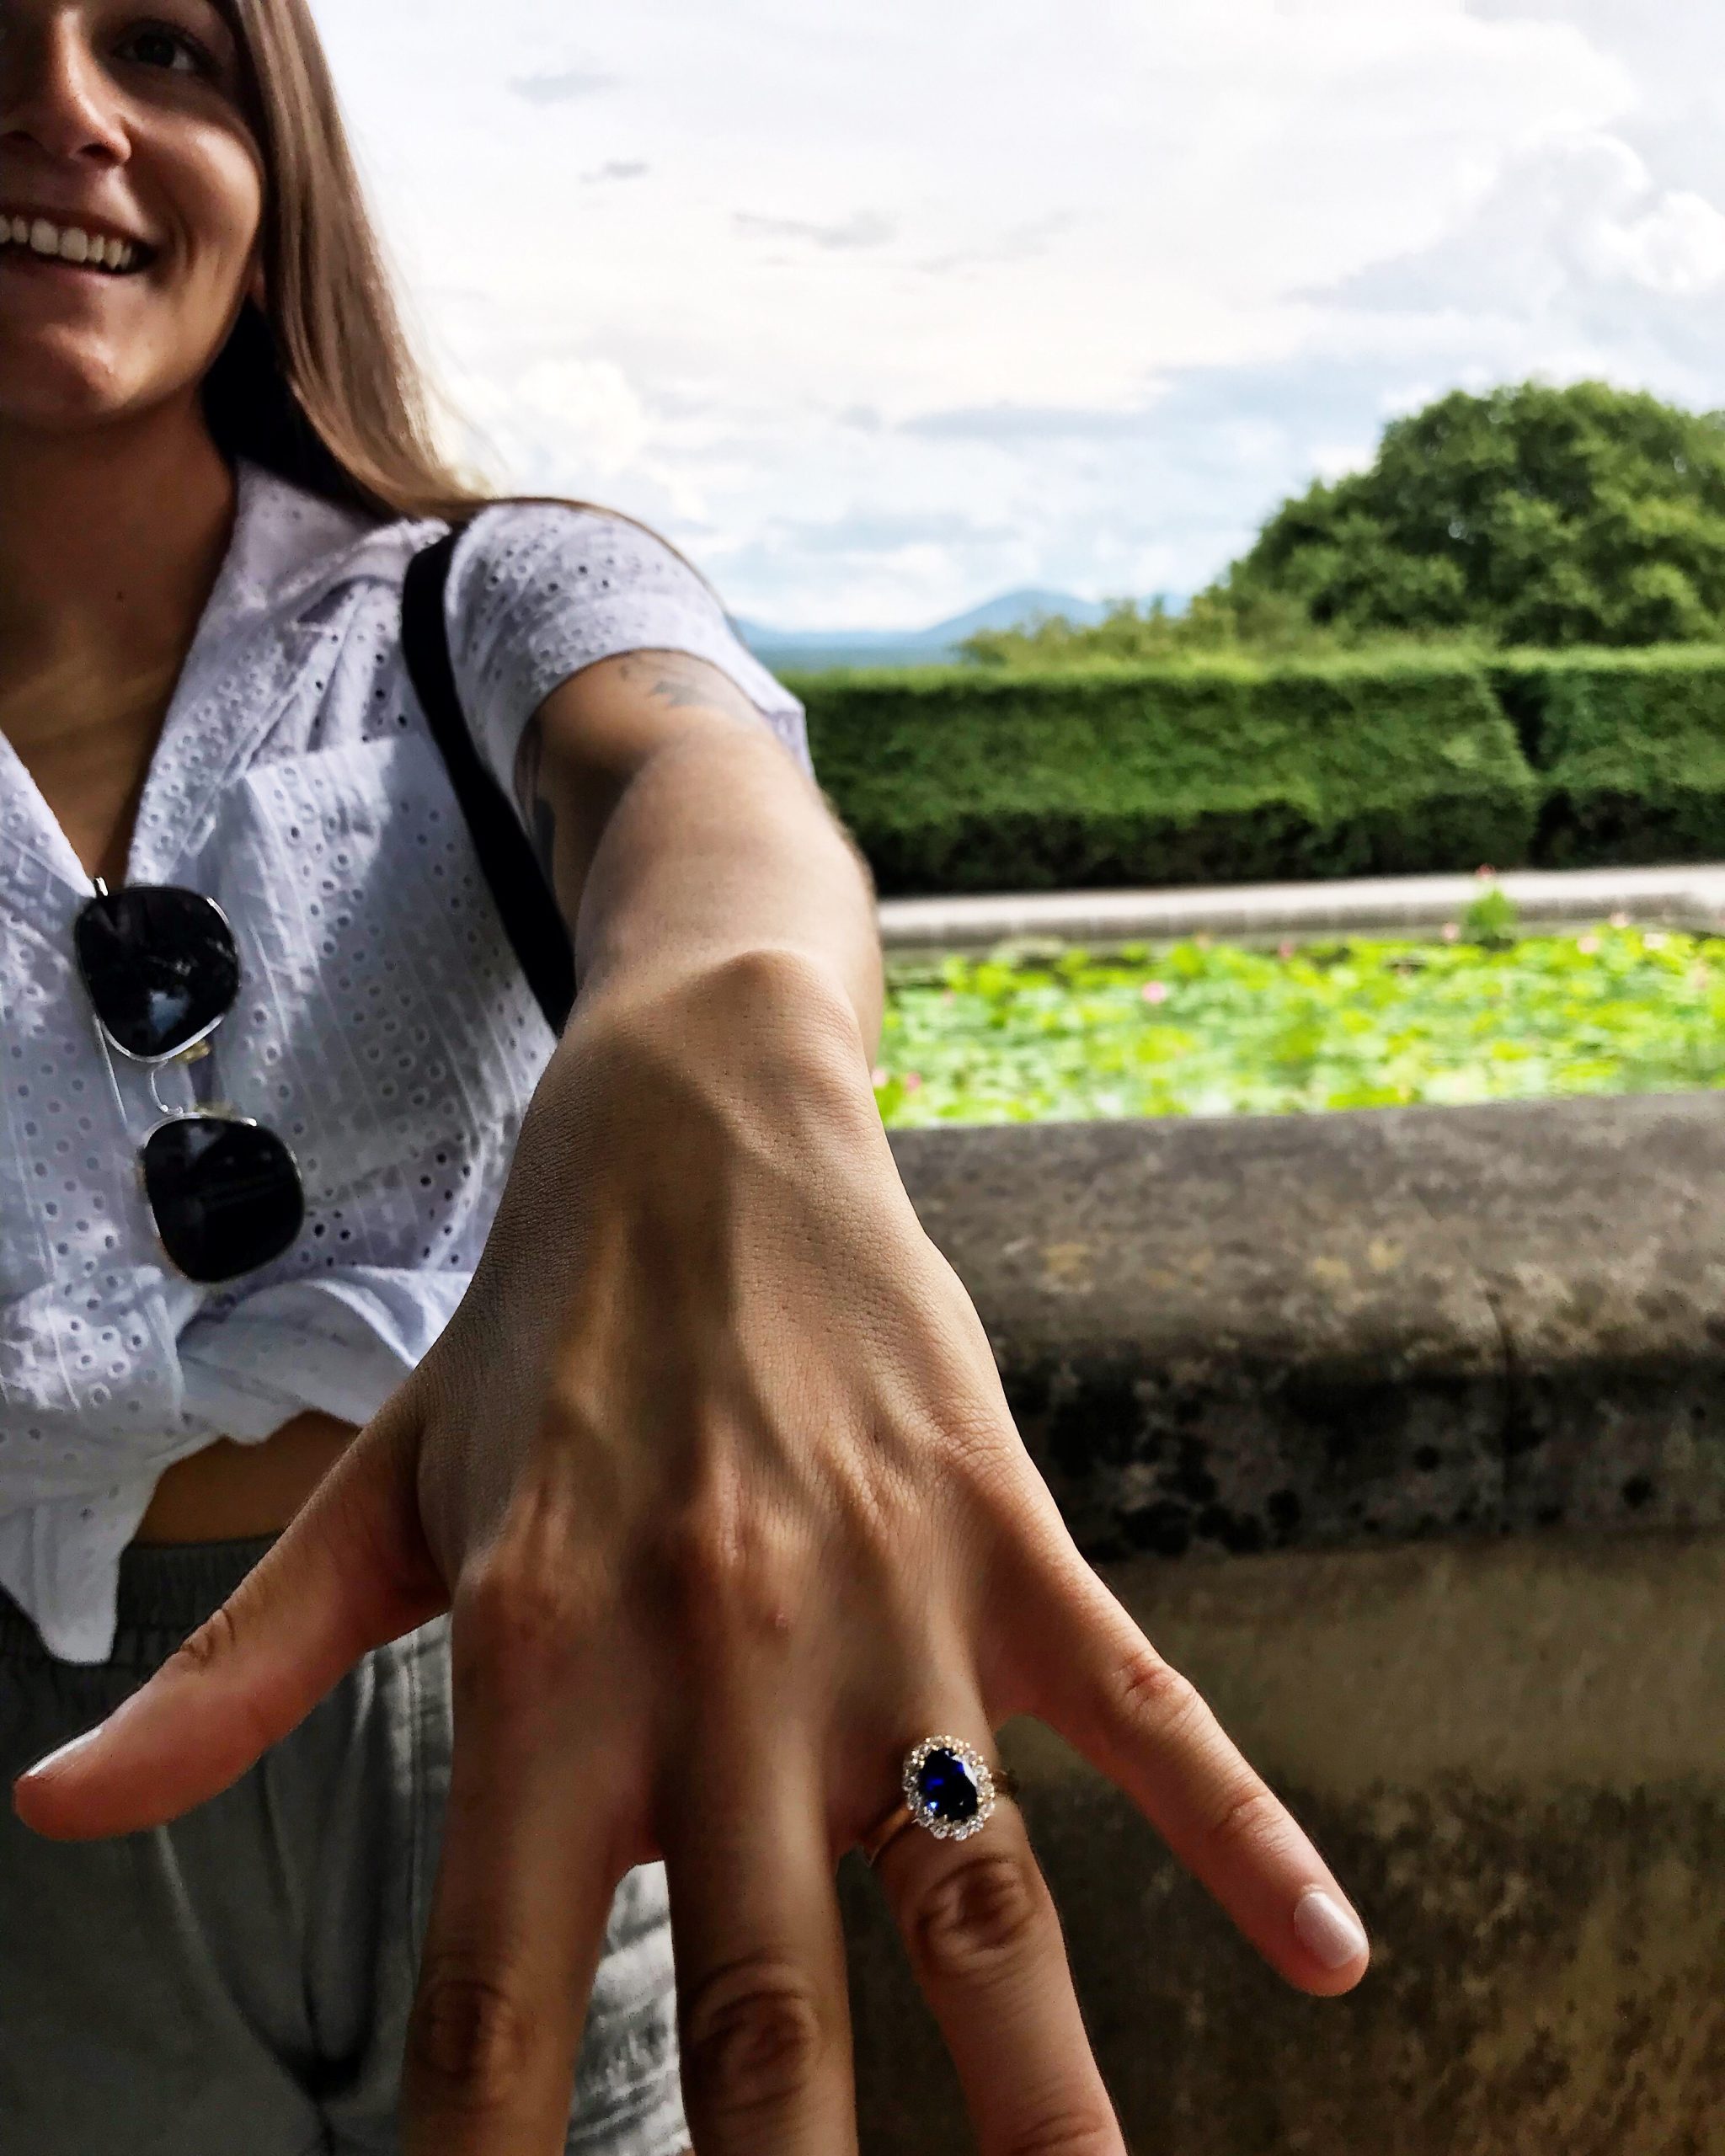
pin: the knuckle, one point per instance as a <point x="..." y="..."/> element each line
<point x="471" y="2037"/>
<point x="215" y="1640"/>
<point x="753" y="2039"/>
<point x="1081" y="2128"/>
<point x="1151" y="1692"/>
<point x="519" y="1633"/>
<point x="982" y="1913"/>
<point x="1250" y="1818"/>
<point x="1072" y="2130"/>
<point x="727" y="1578"/>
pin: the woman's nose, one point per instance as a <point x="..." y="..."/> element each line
<point x="55" y="93"/>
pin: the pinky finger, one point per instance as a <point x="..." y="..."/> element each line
<point x="1100" y="1683"/>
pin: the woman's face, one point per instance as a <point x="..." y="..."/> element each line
<point x="131" y="193"/>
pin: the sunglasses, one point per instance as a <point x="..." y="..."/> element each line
<point x="161" y="969"/>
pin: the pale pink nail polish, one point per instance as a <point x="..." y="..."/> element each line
<point x="65" y="1753"/>
<point x="1325" y="1928"/>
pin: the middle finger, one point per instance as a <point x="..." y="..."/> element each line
<point x="765" y="2019"/>
<point x="526" y="1873"/>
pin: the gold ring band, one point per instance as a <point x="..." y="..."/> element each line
<point x="874" y="1846"/>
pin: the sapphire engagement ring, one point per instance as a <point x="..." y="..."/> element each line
<point x="950" y="1790"/>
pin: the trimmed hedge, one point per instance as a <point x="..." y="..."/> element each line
<point x="1223" y="771"/>
<point x="962" y="779"/>
<point x="1629" y="747"/>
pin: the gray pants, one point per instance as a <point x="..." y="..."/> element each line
<point x="238" y="1984"/>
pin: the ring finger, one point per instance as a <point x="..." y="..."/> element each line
<point x="983" y="1936"/>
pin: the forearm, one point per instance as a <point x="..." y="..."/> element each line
<point x="720" y="845"/>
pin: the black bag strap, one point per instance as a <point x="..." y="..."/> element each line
<point x="524" y="899"/>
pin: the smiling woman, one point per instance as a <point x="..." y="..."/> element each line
<point x="167" y="171"/>
<point x="587" y="1483"/>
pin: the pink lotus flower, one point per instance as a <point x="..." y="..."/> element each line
<point x="1452" y="931"/>
<point x="913" y="1080"/>
<point x="1154" y="991"/>
<point x="1485" y="872"/>
<point x="1588" y="946"/>
<point x="881" y="1076"/>
<point x="1285" y="951"/>
<point x="1620" y="921"/>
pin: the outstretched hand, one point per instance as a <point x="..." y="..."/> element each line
<point x="713" y="1467"/>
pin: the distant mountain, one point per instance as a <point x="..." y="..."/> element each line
<point x="812" y="650"/>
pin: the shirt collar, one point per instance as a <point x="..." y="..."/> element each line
<point x="290" y="548"/>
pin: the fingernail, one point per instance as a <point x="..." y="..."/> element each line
<point x="1328" y="1929"/>
<point x="66" y="1752"/>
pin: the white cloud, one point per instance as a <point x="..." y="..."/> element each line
<point x="1052" y="291"/>
<point x="562" y="88"/>
<point x="560" y="415"/>
<point x="865" y="229"/>
<point x="1576" y="262"/>
<point x="1674" y="245"/>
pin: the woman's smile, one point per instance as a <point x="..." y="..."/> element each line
<point x="27" y="235"/>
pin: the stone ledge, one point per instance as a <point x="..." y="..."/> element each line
<point x="1402" y="905"/>
<point x="1225" y="1336"/>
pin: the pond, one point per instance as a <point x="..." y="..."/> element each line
<point x="1046" y="1034"/>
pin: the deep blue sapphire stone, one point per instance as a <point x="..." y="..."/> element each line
<point x="946" y="1785"/>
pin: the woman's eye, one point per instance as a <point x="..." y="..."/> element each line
<point x="155" y="45"/>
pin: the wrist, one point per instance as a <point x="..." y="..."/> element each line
<point x="771" y="1023"/>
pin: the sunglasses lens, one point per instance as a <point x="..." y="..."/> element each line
<point x="160" y="965"/>
<point x="226" y="1196"/>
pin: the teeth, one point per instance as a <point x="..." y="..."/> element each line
<point x="70" y="244"/>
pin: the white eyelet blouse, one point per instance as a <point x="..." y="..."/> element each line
<point x="383" y="1027"/>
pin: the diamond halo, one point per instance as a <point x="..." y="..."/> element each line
<point x="925" y="1812"/>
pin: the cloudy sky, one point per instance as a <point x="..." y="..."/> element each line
<point x="881" y="309"/>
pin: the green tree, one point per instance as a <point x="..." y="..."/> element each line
<point x="1533" y="515"/>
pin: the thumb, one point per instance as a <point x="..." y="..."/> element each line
<point x="352" y="1572"/>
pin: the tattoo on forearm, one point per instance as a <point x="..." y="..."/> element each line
<point x="536" y="808"/>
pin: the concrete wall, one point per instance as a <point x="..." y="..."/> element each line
<point x="1402" y="1435"/>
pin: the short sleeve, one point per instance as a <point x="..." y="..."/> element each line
<point x="538" y="591"/>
